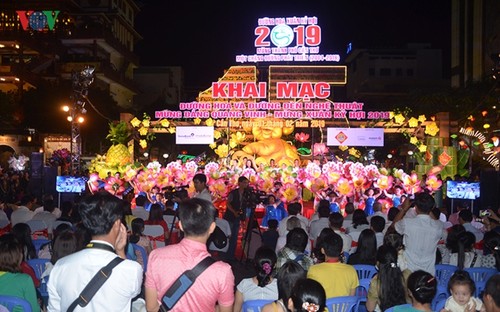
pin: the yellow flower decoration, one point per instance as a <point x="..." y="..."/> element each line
<point x="146" y="123"/>
<point x="391" y="115"/>
<point x="135" y="122"/>
<point x="432" y="129"/>
<point x="354" y="152"/>
<point x="171" y="130"/>
<point x="413" y="122"/>
<point x="238" y="137"/>
<point x="343" y="148"/>
<point x="213" y="145"/>
<point x="399" y="119"/>
<point x="197" y="121"/>
<point x="222" y="150"/>
<point x="233" y="143"/>
<point x="143" y="143"/>
<point x="422" y="148"/>
<point x="217" y="134"/>
<point x="165" y="123"/>
<point x="414" y="140"/>
<point x="210" y="122"/>
<point x="422" y="118"/>
<point x="143" y="131"/>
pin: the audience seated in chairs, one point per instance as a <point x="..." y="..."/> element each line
<point x="422" y="289"/>
<point x="13" y="282"/>
<point x="261" y="286"/>
<point x="287" y="276"/>
<point x="388" y="287"/>
<point x="137" y="237"/>
<point x="366" y="252"/>
<point x="156" y="218"/>
<point x="307" y="295"/>
<point x="346" y="278"/>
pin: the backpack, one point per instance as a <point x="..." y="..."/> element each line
<point x="219" y="238"/>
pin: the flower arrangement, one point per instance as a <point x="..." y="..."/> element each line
<point x="18" y="163"/>
<point x="60" y="157"/>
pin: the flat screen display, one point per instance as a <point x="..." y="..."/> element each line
<point x="462" y="190"/>
<point x="69" y="184"/>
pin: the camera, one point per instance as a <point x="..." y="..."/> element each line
<point x="180" y="192"/>
<point x="252" y="197"/>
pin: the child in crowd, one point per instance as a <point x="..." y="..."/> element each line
<point x="270" y="237"/>
<point x="275" y="210"/>
<point x="462" y="288"/>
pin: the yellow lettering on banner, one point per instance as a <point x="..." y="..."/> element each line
<point x="221" y="123"/>
<point x="302" y="124"/>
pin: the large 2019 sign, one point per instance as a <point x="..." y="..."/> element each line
<point x="37" y="20"/>
<point x="283" y="35"/>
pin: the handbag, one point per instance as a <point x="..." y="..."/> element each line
<point x="95" y="284"/>
<point x="183" y="283"/>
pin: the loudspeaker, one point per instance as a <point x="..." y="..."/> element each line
<point x="36" y="161"/>
<point x="490" y="186"/>
<point x="49" y="181"/>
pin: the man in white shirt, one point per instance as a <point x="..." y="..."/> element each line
<point x="140" y="211"/>
<point x="47" y="215"/>
<point x="318" y="225"/>
<point x="101" y="214"/>
<point x="200" y="185"/>
<point x="421" y="234"/>
<point x="56" y="212"/>
<point x="336" y="222"/>
<point x="24" y="212"/>
<point x="293" y="210"/>
<point x="377" y="211"/>
<point x="465" y="218"/>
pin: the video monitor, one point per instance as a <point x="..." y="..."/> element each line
<point x="462" y="190"/>
<point x="69" y="184"/>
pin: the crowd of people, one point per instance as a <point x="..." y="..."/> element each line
<point x="298" y="262"/>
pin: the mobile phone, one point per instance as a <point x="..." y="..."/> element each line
<point x="484" y="213"/>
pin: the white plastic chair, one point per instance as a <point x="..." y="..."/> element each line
<point x="156" y="234"/>
<point x="38" y="228"/>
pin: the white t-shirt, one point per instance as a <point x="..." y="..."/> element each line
<point x="252" y="291"/>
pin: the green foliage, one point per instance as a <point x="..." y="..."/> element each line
<point x="463" y="158"/>
<point x="118" y="133"/>
<point x="304" y="151"/>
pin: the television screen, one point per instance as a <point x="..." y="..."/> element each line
<point x="462" y="190"/>
<point x="69" y="184"/>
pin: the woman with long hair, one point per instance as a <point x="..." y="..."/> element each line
<point x="137" y="237"/>
<point x="359" y="223"/>
<point x="22" y="232"/>
<point x="307" y="296"/>
<point x="422" y="288"/>
<point x="287" y="277"/>
<point x="466" y="256"/>
<point x="12" y="281"/>
<point x="387" y="288"/>
<point x="366" y="252"/>
<point x="156" y="218"/>
<point x="262" y="285"/>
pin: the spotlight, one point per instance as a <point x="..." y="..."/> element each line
<point x="146" y="154"/>
<point x="65" y="108"/>
<point x="410" y="153"/>
<point x="81" y="119"/>
<point x="165" y="155"/>
<point x="69" y="118"/>
<point x="389" y="156"/>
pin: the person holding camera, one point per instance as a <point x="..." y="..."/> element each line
<point x="235" y="213"/>
<point x="421" y="233"/>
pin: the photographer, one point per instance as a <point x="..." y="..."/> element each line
<point x="235" y="213"/>
<point x="200" y="185"/>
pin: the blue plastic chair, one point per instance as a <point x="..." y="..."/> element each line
<point x="39" y="266"/>
<point x="407" y="305"/>
<point x="254" y="305"/>
<point x="144" y="255"/>
<point x="365" y="275"/>
<point x="480" y="276"/>
<point x="11" y="302"/>
<point x="38" y="243"/>
<point x="342" y="304"/>
<point x="439" y="305"/>
<point x="443" y="274"/>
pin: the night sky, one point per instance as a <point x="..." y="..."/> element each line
<point x="205" y="36"/>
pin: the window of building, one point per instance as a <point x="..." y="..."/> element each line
<point x="385" y="72"/>
<point x="371" y="72"/>
<point x="409" y="72"/>
<point x="399" y="72"/>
